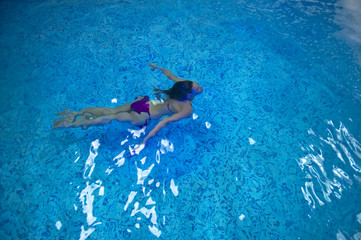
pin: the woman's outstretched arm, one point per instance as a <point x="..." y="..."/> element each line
<point x="164" y="122"/>
<point x="166" y="72"/>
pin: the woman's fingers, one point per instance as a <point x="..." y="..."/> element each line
<point x="153" y="66"/>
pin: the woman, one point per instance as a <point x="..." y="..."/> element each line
<point x="177" y="105"/>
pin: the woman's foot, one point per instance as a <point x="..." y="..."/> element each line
<point x="63" y="113"/>
<point x="65" y="121"/>
<point x="88" y="116"/>
<point x="61" y="124"/>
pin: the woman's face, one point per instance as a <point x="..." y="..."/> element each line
<point x="196" y="89"/>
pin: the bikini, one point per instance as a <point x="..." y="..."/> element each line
<point x="143" y="106"/>
<point x="169" y="108"/>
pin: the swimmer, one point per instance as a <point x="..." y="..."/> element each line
<point x="177" y="105"/>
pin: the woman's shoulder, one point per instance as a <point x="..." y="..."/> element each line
<point x="181" y="106"/>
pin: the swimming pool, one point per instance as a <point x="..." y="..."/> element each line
<point x="271" y="152"/>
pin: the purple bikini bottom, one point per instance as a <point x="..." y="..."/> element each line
<point x="141" y="106"/>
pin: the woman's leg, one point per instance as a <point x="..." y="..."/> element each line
<point x="101" y="111"/>
<point x="90" y="113"/>
<point x="129" y="117"/>
<point x="98" y="115"/>
<point x="99" y="121"/>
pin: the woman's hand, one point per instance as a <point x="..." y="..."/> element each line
<point x="145" y="140"/>
<point x="166" y="72"/>
<point x="153" y="66"/>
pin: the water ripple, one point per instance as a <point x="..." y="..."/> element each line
<point x="330" y="165"/>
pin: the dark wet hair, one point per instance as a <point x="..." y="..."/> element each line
<point x="179" y="91"/>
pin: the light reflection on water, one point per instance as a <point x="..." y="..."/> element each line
<point x="139" y="203"/>
<point x="330" y="165"/>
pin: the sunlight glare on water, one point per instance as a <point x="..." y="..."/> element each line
<point x="345" y="169"/>
<point x="143" y="186"/>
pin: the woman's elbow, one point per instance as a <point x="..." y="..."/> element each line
<point x="167" y="73"/>
<point x="163" y="124"/>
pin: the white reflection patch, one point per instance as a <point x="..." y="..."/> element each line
<point x="155" y="231"/>
<point x="166" y="146"/>
<point x="174" y="188"/>
<point x="358" y="216"/>
<point x="109" y="170"/>
<point x="357" y="178"/>
<point x="101" y="191"/>
<point x="150" y="202"/>
<point x="340" y="236"/>
<point x="130" y="199"/>
<point x="143" y="174"/>
<point x="136" y="133"/>
<point x="143" y="160"/>
<point x="90" y="163"/>
<point x="120" y="159"/>
<point x="124" y="141"/>
<point x="58" y="225"/>
<point x="308" y="196"/>
<point x="136" y="150"/>
<point x="87" y="199"/>
<point x="146" y="212"/>
<point x="311" y="132"/>
<point x="157" y="158"/>
<point x="341" y="174"/>
<point x="85" y="233"/>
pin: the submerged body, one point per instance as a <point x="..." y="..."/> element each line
<point x="178" y="105"/>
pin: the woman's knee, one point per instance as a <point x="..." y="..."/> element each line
<point x="136" y="123"/>
<point x="138" y="119"/>
<point x="105" y="120"/>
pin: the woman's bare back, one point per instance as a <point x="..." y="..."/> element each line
<point x="169" y="107"/>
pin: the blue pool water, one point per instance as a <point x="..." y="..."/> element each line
<point x="272" y="150"/>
